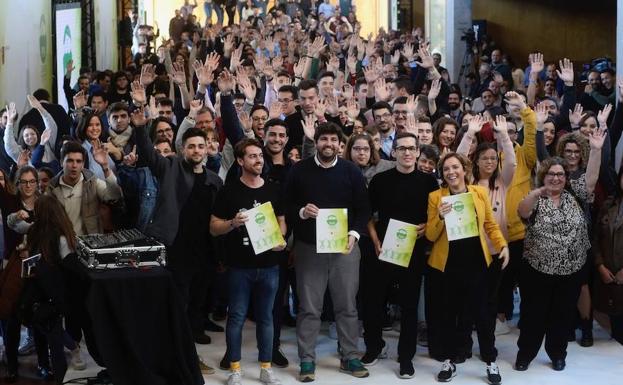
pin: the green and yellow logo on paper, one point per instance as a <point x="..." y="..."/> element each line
<point x="398" y="243"/>
<point x="461" y="222"/>
<point x="264" y="231"/>
<point x="332" y="231"/>
<point x="260" y="218"/>
<point x="458" y="206"/>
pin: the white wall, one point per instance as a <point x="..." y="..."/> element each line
<point x="26" y="39"/>
<point x="106" y="48"/>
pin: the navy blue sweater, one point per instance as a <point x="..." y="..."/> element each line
<point x="341" y="186"/>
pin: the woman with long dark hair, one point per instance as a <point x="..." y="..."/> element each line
<point x="90" y="133"/>
<point x="52" y="236"/>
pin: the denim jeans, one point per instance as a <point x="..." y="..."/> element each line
<point x="242" y="283"/>
<point x="208" y="7"/>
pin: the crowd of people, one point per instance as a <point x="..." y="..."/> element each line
<point x="292" y="106"/>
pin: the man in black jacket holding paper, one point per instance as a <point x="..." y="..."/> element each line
<point x="325" y="181"/>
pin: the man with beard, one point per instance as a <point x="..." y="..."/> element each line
<point x="182" y="217"/>
<point x="250" y="275"/>
<point x="326" y="181"/>
<point x="382" y="113"/>
<point x="454" y="105"/>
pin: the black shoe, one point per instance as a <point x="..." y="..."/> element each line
<point x="587" y="333"/>
<point x="406" y="370"/>
<point x="559" y="365"/>
<point x="44" y="373"/>
<point x="103" y="377"/>
<point x="493" y="374"/>
<point x="213" y="327"/>
<point x="571" y="336"/>
<point x="521" y="366"/>
<point x="447" y="372"/>
<point x="202" y="339"/>
<point x="289" y="321"/>
<point x="224" y="364"/>
<point x="371" y="358"/>
<point x="279" y="360"/>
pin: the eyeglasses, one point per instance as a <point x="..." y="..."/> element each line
<point x="559" y="175"/>
<point x="361" y="149"/>
<point x="284" y="100"/>
<point x="31" y="182"/>
<point x="403" y="149"/>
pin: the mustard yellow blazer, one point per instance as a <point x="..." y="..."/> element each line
<point x="436" y="228"/>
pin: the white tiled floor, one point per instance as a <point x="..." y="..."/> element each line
<point x="601" y="364"/>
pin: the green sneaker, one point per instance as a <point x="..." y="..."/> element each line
<point x="354" y="367"/>
<point x="308" y="372"/>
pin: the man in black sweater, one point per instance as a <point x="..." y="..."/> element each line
<point x="401" y="194"/>
<point x="320" y="182"/>
<point x="182" y="217"/>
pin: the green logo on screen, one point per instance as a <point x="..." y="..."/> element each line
<point x="401" y="234"/>
<point x="332" y="220"/>
<point x="43" y="43"/>
<point x="458" y="206"/>
<point x="260" y="218"/>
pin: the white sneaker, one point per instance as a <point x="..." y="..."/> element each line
<point x="267" y="376"/>
<point x="76" y="360"/>
<point x="235" y="378"/>
<point x="27" y="348"/>
<point x="333" y="330"/>
<point x="493" y="374"/>
<point x="501" y="327"/>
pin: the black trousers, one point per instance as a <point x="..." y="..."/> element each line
<point x="616" y="323"/>
<point x="456" y="302"/>
<point x="510" y="279"/>
<point x="548" y="306"/>
<point x="279" y="302"/>
<point x="377" y="279"/>
<point x="192" y="280"/>
<point x="53" y="340"/>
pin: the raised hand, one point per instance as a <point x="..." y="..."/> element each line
<point x="497" y="77"/>
<point x="245" y="121"/>
<point x="316" y="47"/>
<point x="382" y="90"/>
<point x="537" y="65"/>
<point x="515" y="100"/>
<point x="245" y="86"/>
<point x="408" y="51"/>
<point x="228" y="44"/>
<point x="333" y="64"/>
<point x="148" y="74"/>
<point x="348" y="91"/>
<point x="370" y="74"/>
<point x="352" y="109"/>
<point x="541" y="116"/>
<point x="177" y="75"/>
<point x="351" y="64"/>
<point x="80" y="99"/>
<point x="138" y="117"/>
<point x="45" y="136"/>
<point x="235" y="60"/>
<point x="500" y="124"/>
<point x="475" y="124"/>
<point x="576" y="115"/>
<point x="212" y="61"/>
<point x="226" y="82"/>
<point x="23" y="158"/>
<point x="277" y="63"/>
<point x="597" y="137"/>
<point x="602" y="116"/>
<point x="321" y="108"/>
<point x="411" y="104"/>
<point x="426" y="60"/>
<point x="309" y="126"/>
<point x="34" y="103"/>
<point x="137" y="92"/>
<point x="332" y="105"/>
<point x="395" y="58"/>
<point x="69" y="68"/>
<point x="195" y="106"/>
<point x="411" y="125"/>
<point x="566" y="71"/>
<point x="274" y="112"/>
<point x="300" y="67"/>
<point x="100" y="155"/>
<point x="12" y="113"/>
<point x="435" y="88"/>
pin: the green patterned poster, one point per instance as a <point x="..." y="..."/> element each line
<point x="461" y="221"/>
<point x="263" y="228"/>
<point x="332" y="231"/>
<point x="398" y="243"/>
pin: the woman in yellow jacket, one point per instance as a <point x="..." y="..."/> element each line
<point x="459" y="269"/>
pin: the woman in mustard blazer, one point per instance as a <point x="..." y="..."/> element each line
<point x="459" y="269"/>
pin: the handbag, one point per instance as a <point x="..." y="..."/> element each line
<point x="608" y="298"/>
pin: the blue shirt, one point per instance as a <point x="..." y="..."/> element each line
<point x="327" y="9"/>
<point x="387" y="143"/>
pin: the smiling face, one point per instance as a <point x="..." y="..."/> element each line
<point x="555" y="179"/>
<point x="588" y="126"/>
<point x="447" y="135"/>
<point x="94" y="128"/>
<point x="328" y="146"/>
<point x="195" y="150"/>
<point x="549" y="133"/>
<point x="406" y="153"/>
<point x="573" y="155"/>
<point x="425" y="164"/>
<point x="253" y="161"/>
<point x="453" y="174"/>
<point x="425" y="133"/>
<point x="164" y="131"/>
<point x="30" y="137"/>
<point x="27" y="185"/>
<point x="276" y="139"/>
<point x="487" y="162"/>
